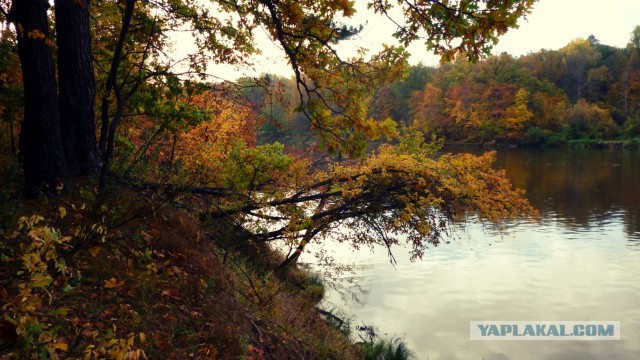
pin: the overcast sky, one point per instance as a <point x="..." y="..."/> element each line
<point x="551" y="25"/>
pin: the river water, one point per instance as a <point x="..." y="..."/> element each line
<point x="580" y="262"/>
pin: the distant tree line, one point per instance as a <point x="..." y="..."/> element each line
<point x="585" y="90"/>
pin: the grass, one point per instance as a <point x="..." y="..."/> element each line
<point x="604" y="144"/>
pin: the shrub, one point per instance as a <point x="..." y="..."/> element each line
<point x="386" y="350"/>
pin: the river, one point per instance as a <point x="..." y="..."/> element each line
<point x="581" y="261"/>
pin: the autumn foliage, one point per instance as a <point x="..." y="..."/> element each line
<point x="405" y="192"/>
<point x="581" y="91"/>
<point x="158" y="243"/>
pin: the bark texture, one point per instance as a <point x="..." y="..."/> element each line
<point x="77" y="86"/>
<point x="40" y="140"/>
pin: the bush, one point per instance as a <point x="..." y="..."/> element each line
<point x="536" y="137"/>
<point x="386" y="350"/>
<point x="632" y="144"/>
<point x="314" y="287"/>
<point x="556" y="140"/>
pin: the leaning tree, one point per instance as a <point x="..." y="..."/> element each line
<point x="58" y="136"/>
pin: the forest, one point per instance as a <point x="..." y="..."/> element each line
<point x="585" y="94"/>
<point x="142" y="197"/>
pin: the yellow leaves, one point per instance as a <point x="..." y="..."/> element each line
<point x="113" y="283"/>
<point x="41" y="264"/>
<point x="152" y="269"/>
<point x="203" y="148"/>
<point x="29" y="222"/>
<point x="117" y="348"/>
<point x="60" y="346"/>
<point x="41" y="281"/>
<point x="62" y="211"/>
<point x="374" y="129"/>
<point x="406" y="189"/>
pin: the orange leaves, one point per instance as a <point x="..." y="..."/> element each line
<point x="37" y="34"/>
<point x="254" y="353"/>
<point x="113" y="283"/>
<point x="171" y="294"/>
<point x="376" y="129"/>
<point x="407" y="189"/>
<point x="197" y="154"/>
<point x="94" y="251"/>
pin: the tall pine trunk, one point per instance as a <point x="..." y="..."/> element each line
<point x="77" y="86"/>
<point x="40" y="140"/>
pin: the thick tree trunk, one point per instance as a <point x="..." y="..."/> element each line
<point x="77" y="86"/>
<point x="40" y="141"/>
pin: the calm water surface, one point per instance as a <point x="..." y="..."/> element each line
<point x="581" y="262"/>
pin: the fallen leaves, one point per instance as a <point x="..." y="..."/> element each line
<point x="113" y="283"/>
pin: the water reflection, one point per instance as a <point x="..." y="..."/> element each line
<point x="579" y="263"/>
<point x="580" y="188"/>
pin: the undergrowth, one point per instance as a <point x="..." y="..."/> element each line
<point x="78" y="281"/>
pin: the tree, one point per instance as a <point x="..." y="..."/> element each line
<point x="335" y="104"/>
<point x="589" y="120"/>
<point x="518" y="114"/>
<point x="77" y="86"/>
<point x="545" y="65"/>
<point x="41" y="149"/>
<point x="467" y="109"/>
<point x="198" y="151"/>
<point x="11" y="89"/>
<point x="480" y="21"/>
<point x="278" y="196"/>
<point x="428" y="110"/>
<point x="634" y="43"/>
<point x="579" y="57"/>
<point x="549" y="111"/>
<point x="402" y="90"/>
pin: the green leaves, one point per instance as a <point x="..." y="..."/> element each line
<point x="250" y="168"/>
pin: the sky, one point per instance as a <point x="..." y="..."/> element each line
<point x="551" y="25"/>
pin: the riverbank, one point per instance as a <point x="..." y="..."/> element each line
<point x="631" y="144"/>
<point x="125" y="279"/>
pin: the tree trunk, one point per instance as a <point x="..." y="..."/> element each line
<point x="107" y="131"/>
<point x="77" y="86"/>
<point x="40" y="141"/>
<point x="301" y="245"/>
